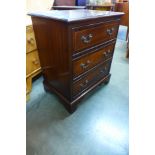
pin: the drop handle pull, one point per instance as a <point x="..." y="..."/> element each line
<point x="85" y="65"/>
<point x="87" y="39"/>
<point x="84" y="84"/>
<point x="35" y="61"/>
<point x="30" y="41"/>
<point x="109" y="51"/>
<point x="104" y="69"/>
<point x="110" y="31"/>
<point x="106" y="53"/>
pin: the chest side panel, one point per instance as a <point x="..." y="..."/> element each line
<point x="52" y="42"/>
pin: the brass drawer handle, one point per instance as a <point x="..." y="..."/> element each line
<point x="30" y="41"/>
<point x="110" y="31"/>
<point x="35" y="62"/>
<point x="107" y="53"/>
<point x="84" y="84"/>
<point x="85" y="65"/>
<point x="87" y="39"/>
<point x="104" y="69"/>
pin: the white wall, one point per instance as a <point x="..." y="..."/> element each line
<point x="37" y="5"/>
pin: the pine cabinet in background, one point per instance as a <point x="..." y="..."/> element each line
<point x="32" y="59"/>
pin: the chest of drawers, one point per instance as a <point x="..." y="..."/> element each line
<point x="75" y="50"/>
<point x="32" y="59"/>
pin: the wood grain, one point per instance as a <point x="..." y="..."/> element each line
<point x="32" y="59"/>
<point x="62" y="52"/>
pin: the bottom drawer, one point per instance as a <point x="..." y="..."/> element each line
<point x="91" y="78"/>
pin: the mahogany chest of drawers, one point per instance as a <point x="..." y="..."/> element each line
<point x="75" y="50"/>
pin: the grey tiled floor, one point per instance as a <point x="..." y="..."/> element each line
<point x="98" y="127"/>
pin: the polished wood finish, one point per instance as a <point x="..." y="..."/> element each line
<point x="90" y="60"/>
<point x="80" y="17"/>
<point x="94" y="34"/>
<point x="61" y="52"/>
<point x="32" y="59"/>
<point x="123" y="7"/>
<point x="85" y="82"/>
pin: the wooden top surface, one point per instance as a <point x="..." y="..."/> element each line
<point x="74" y="15"/>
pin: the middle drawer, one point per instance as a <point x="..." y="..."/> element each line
<point x="87" y="62"/>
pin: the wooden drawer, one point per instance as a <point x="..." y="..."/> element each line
<point x="92" y="36"/>
<point x="92" y="77"/>
<point x="30" y="39"/>
<point x="32" y="62"/>
<point x="85" y="63"/>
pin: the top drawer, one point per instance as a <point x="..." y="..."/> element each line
<point x="30" y="39"/>
<point x="87" y="37"/>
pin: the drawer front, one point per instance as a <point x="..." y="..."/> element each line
<point x="30" y="39"/>
<point x="32" y="62"/>
<point x="91" y="78"/>
<point x="87" y="62"/>
<point x="95" y="35"/>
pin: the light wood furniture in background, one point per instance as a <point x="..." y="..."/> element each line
<point x="32" y="60"/>
<point x="68" y="7"/>
<point x="124" y="7"/>
<point x="106" y="7"/>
